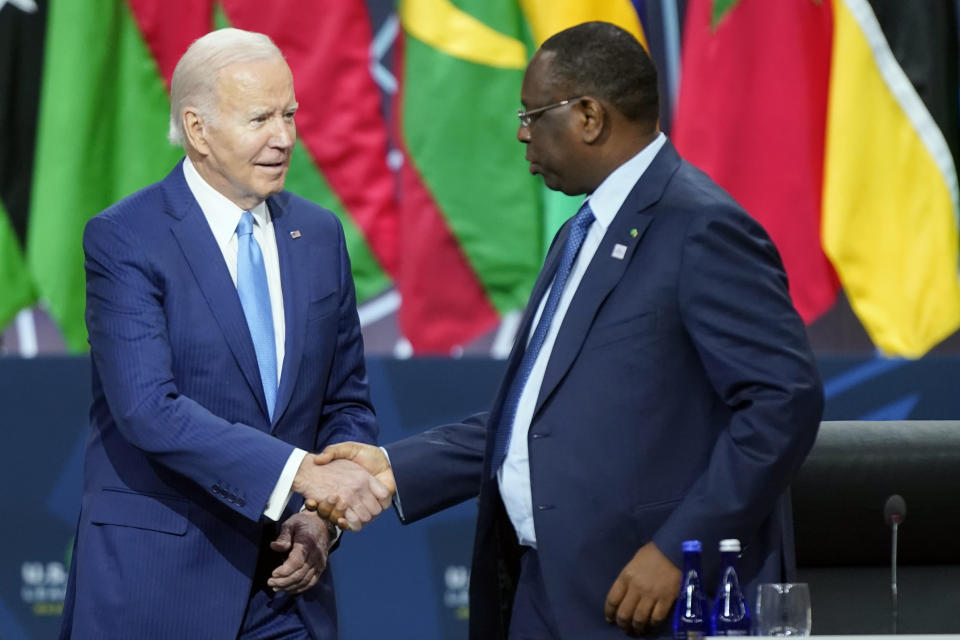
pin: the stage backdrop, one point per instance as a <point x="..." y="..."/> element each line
<point x="392" y="581"/>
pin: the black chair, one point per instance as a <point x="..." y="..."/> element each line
<point x="843" y="541"/>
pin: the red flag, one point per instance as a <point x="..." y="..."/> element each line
<point x="752" y="114"/>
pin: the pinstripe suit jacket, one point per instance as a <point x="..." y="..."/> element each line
<point x="181" y="455"/>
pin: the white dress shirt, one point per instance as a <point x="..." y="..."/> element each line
<point x="223" y="216"/>
<point x="514" y="475"/>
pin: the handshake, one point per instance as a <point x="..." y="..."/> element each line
<point x="348" y="484"/>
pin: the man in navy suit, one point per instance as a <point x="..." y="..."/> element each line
<point x="225" y="346"/>
<point x="661" y="387"/>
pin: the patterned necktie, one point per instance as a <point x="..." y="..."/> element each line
<point x="578" y="231"/>
<point x="255" y="300"/>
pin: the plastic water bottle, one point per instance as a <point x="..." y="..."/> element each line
<point x="690" y="616"/>
<point x="730" y="614"/>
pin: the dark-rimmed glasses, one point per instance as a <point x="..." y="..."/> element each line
<point x="527" y="118"/>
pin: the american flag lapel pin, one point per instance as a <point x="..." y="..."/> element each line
<point x="295" y="234"/>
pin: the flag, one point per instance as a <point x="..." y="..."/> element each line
<point x="22" y="26"/>
<point x="103" y="123"/>
<point x="432" y="189"/>
<point x="835" y="125"/>
<point x="890" y="193"/>
<point x="474" y="221"/>
<point x="101" y="135"/>
<point x="751" y="113"/>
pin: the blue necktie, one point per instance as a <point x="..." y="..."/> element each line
<point x="255" y="300"/>
<point x="578" y="231"/>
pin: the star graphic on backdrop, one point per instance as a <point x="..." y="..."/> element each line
<point x="29" y="6"/>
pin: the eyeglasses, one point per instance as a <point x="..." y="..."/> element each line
<point x="527" y="118"/>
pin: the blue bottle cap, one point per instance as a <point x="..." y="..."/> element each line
<point x="691" y="545"/>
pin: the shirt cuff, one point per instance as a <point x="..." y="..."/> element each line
<point x="335" y="533"/>
<point x="283" y="490"/>
<point x="396" y="494"/>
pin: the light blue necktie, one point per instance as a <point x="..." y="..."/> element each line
<point x="578" y="231"/>
<point x="255" y="300"/>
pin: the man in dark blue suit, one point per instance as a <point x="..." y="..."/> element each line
<point x="661" y="387"/>
<point x="225" y="346"/>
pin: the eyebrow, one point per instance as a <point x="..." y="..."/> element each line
<point x="256" y="112"/>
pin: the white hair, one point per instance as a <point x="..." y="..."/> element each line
<point x="194" y="81"/>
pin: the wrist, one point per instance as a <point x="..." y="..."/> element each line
<point x="300" y="479"/>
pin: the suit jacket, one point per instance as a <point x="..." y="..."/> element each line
<point x="678" y="402"/>
<point x="182" y="455"/>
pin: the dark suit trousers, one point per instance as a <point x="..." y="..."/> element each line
<point x="532" y="618"/>
<point x="271" y="615"/>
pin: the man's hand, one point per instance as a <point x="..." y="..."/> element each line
<point x="342" y="482"/>
<point x="306" y="539"/>
<point x="370" y="458"/>
<point x="642" y="594"/>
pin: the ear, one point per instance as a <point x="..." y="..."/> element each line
<point x="594" y="119"/>
<point x="194" y="130"/>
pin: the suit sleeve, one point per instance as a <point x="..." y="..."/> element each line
<point x="130" y="348"/>
<point x="736" y="308"/>
<point x="347" y="413"/>
<point x="440" y="467"/>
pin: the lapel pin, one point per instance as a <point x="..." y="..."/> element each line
<point x="295" y="234"/>
<point x="633" y="233"/>
<point x="619" y="250"/>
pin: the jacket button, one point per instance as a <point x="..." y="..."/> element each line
<point x="217" y="490"/>
<point x="241" y="502"/>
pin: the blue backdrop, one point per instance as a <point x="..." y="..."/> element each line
<point x="392" y="581"/>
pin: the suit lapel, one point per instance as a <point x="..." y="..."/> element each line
<point x="206" y="262"/>
<point x="606" y="270"/>
<point x="292" y="254"/>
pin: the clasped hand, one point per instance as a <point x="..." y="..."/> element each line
<point x="305" y="539"/>
<point x="345" y="491"/>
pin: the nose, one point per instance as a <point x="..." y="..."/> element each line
<point x="523" y="134"/>
<point x="284" y="134"/>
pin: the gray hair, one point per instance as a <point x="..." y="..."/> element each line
<point x="194" y="81"/>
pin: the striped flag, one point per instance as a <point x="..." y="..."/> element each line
<point x="890" y="192"/>
<point x="835" y="124"/>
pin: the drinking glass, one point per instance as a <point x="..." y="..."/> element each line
<point x="783" y="609"/>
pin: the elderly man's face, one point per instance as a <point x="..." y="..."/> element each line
<point x="552" y="140"/>
<point x="252" y="134"/>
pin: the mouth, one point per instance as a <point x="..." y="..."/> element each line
<point x="279" y="165"/>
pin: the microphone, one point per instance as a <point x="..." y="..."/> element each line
<point x="894" y="511"/>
